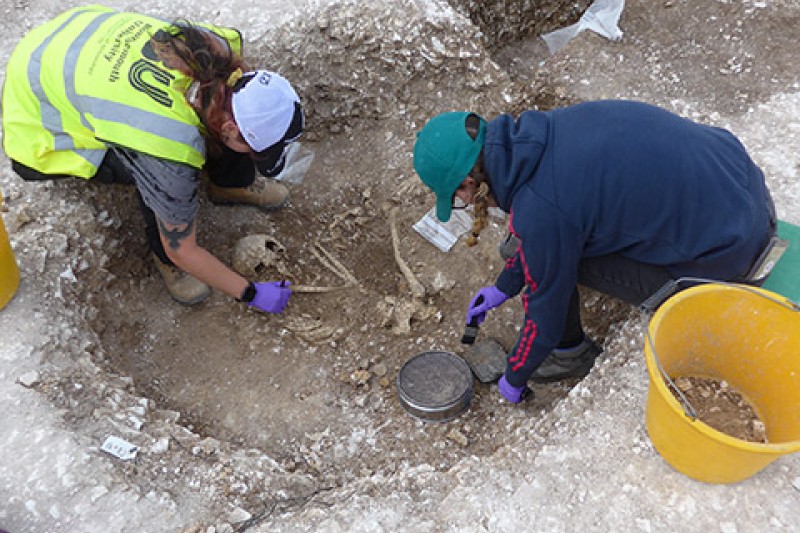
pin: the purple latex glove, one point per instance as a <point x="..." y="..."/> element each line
<point x="510" y="392"/>
<point x="485" y="299"/>
<point x="272" y="296"/>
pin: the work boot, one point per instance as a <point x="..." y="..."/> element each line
<point x="182" y="287"/>
<point x="563" y="363"/>
<point x="262" y="193"/>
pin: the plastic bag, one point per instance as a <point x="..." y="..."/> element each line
<point x="298" y="161"/>
<point x="601" y="17"/>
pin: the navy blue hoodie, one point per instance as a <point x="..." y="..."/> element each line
<point x="616" y="177"/>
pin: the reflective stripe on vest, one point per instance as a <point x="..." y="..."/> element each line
<point x="91" y="77"/>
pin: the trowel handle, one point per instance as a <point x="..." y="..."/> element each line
<point x="470" y="333"/>
<point x="471" y="330"/>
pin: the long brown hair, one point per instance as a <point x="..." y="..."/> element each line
<point x="210" y="63"/>
<point x="480" y="215"/>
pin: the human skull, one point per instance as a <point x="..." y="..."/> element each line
<point x="255" y="254"/>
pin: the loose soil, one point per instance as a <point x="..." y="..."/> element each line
<point x="321" y="375"/>
<point x="722" y="407"/>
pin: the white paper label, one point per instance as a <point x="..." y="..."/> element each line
<point x="443" y="235"/>
<point x="119" y="448"/>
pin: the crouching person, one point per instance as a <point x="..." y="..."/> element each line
<point x="108" y="96"/>
<point x="619" y="196"/>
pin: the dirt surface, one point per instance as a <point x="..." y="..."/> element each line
<point x="725" y="55"/>
<point x="319" y="377"/>
<point x="265" y="413"/>
<point x="723" y="408"/>
<point x="280" y="382"/>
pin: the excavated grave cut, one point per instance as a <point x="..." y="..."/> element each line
<point x="313" y="388"/>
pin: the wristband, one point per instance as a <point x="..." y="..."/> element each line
<point x="249" y="293"/>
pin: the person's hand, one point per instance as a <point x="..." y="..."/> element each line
<point x="271" y="296"/>
<point x="511" y="393"/>
<point x="485" y="299"/>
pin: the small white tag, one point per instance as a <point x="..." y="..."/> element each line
<point x="443" y="235"/>
<point x="119" y="448"/>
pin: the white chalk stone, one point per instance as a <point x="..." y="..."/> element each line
<point x="29" y="379"/>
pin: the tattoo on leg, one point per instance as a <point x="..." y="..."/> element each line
<point x="176" y="235"/>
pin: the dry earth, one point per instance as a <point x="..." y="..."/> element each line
<point x="721" y="407"/>
<point x="266" y="413"/>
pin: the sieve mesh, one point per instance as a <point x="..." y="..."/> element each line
<point x="435" y="380"/>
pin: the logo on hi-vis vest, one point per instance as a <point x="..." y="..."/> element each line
<point x="139" y="76"/>
<point x="144" y="74"/>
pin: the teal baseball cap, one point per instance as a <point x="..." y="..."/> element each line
<point x="444" y="155"/>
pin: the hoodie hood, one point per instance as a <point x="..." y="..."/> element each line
<point x="512" y="153"/>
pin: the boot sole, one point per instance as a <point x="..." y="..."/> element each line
<point x="578" y="373"/>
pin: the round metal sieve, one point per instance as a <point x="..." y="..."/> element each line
<point x="435" y="386"/>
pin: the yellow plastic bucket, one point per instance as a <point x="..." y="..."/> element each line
<point x="9" y="271"/>
<point x="745" y="336"/>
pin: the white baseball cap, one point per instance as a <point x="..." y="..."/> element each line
<point x="263" y="107"/>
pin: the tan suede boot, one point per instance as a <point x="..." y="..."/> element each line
<point x="264" y="193"/>
<point x="182" y="287"/>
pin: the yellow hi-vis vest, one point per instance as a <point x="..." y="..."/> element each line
<point x="89" y="78"/>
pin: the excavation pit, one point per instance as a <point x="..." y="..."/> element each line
<point x="305" y="398"/>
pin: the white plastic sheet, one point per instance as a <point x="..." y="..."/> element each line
<point x="601" y="17"/>
<point x="298" y="161"/>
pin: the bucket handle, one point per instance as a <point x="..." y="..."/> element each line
<point x="671" y="287"/>
<point x="688" y="408"/>
<point x="668" y="289"/>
